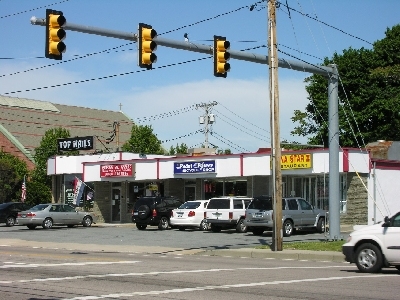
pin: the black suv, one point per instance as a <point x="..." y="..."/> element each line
<point x="10" y="210"/>
<point x="155" y="211"/>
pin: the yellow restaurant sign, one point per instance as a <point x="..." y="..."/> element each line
<point x="296" y="161"/>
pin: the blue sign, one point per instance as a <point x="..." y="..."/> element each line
<point x="194" y="167"/>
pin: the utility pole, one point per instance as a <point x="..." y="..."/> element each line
<point x="206" y="119"/>
<point x="275" y="135"/>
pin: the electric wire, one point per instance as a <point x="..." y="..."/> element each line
<point x="22" y="12"/>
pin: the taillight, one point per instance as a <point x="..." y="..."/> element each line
<point x="205" y="215"/>
<point x="30" y="215"/>
<point x="191" y="213"/>
<point x="230" y="215"/>
<point x="154" y="213"/>
<point x="172" y="213"/>
<point x="19" y="215"/>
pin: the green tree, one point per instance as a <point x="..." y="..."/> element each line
<point x="12" y="172"/>
<point x="48" y="147"/>
<point x="143" y="140"/>
<point x="369" y="99"/>
<point x="37" y="192"/>
<point x="179" y="149"/>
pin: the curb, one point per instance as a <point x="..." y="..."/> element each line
<point x="330" y="256"/>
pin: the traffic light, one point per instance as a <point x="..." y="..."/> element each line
<point x="221" y="56"/>
<point x="146" y="46"/>
<point x="55" y="34"/>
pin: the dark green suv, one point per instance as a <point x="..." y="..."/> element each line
<point x="154" y="211"/>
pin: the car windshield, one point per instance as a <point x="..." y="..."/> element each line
<point x="39" y="207"/>
<point x="189" y="205"/>
<point x="261" y="204"/>
<point x="218" y="204"/>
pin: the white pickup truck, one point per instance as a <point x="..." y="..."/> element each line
<point x="376" y="246"/>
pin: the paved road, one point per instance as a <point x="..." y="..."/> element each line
<point x="31" y="273"/>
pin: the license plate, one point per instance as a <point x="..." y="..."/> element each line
<point x="135" y="213"/>
<point x="24" y="216"/>
<point x="258" y="215"/>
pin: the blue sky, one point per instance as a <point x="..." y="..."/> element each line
<point x="167" y="95"/>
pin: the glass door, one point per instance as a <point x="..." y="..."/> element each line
<point x="116" y="204"/>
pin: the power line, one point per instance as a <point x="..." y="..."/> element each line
<point x="22" y="12"/>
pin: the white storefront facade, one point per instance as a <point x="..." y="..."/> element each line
<point x="118" y="179"/>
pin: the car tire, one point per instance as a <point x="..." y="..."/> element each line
<point x="31" y="227"/>
<point x="163" y="224"/>
<point x="241" y="227"/>
<point x="143" y="212"/>
<point x="287" y="228"/>
<point x="215" y="228"/>
<point x="204" y="226"/>
<point x="321" y="225"/>
<point x="87" y="221"/>
<point x="47" y="223"/>
<point x="141" y="227"/>
<point x="10" y="221"/>
<point x="369" y="258"/>
<point x="258" y="231"/>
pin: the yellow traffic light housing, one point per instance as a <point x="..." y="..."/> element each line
<point x="55" y="34"/>
<point x="221" y="56"/>
<point x="146" y="46"/>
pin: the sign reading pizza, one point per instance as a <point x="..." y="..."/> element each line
<point x="117" y="170"/>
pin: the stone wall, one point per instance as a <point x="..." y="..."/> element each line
<point x="102" y="204"/>
<point x="357" y="201"/>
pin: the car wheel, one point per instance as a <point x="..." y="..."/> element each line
<point x="241" y="227"/>
<point x="215" y="228"/>
<point x="87" y="221"/>
<point x="47" y="223"/>
<point x="204" y="226"/>
<point x="31" y="227"/>
<point x="369" y="258"/>
<point x="321" y="225"/>
<point x="287" y="228"/>
<point x="141" y="227"/>
<point x="143" y="212"/>
<point x="10" y="221"/>
<point x="163" y="223"/>
<point x="258" y="231"/>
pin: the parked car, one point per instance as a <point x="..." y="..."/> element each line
<point x="10" y="210"/>
<point x="297" y="213"/>
<point x="190" y="214"/>
<point x="154" y="211"/>
<point x="376" y="246"/>
<point x="227" y="213"/>
<point x="47" y="215"/>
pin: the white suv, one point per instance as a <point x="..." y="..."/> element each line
<point x="227" y="213"/>
<point x="376" y="246"/>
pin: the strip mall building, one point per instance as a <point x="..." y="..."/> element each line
<point x="369" y="187"/>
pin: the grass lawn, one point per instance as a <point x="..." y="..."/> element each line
<point x="313" y="246"/>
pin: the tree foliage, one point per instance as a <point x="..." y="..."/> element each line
<point x="179" y="149"/>
<point x="369" y="96"/>
<point x="48" y="147"/>
<point x="143" y="140"/>
<point x="12" y="172"/>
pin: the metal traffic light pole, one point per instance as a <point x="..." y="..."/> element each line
<point x="330" y="72"/>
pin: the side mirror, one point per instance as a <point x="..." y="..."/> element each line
<point x="386" y="222"/>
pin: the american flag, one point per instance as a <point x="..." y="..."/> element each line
<point x="23" y="194"/>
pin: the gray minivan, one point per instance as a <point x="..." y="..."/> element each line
<point x="296" y="213"/>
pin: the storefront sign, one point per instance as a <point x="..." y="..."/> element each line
<point x="76" y="143"/>
<point x="195" y="167"/>
<point x="296" y="161"/>
<point x="117" y="170"/>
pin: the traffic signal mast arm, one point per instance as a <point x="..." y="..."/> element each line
<point x="200" y="48"/>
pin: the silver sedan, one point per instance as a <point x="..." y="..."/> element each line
<point x="47" y="215"/>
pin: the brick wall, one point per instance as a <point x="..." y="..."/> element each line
<point x="8" y="147"/>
